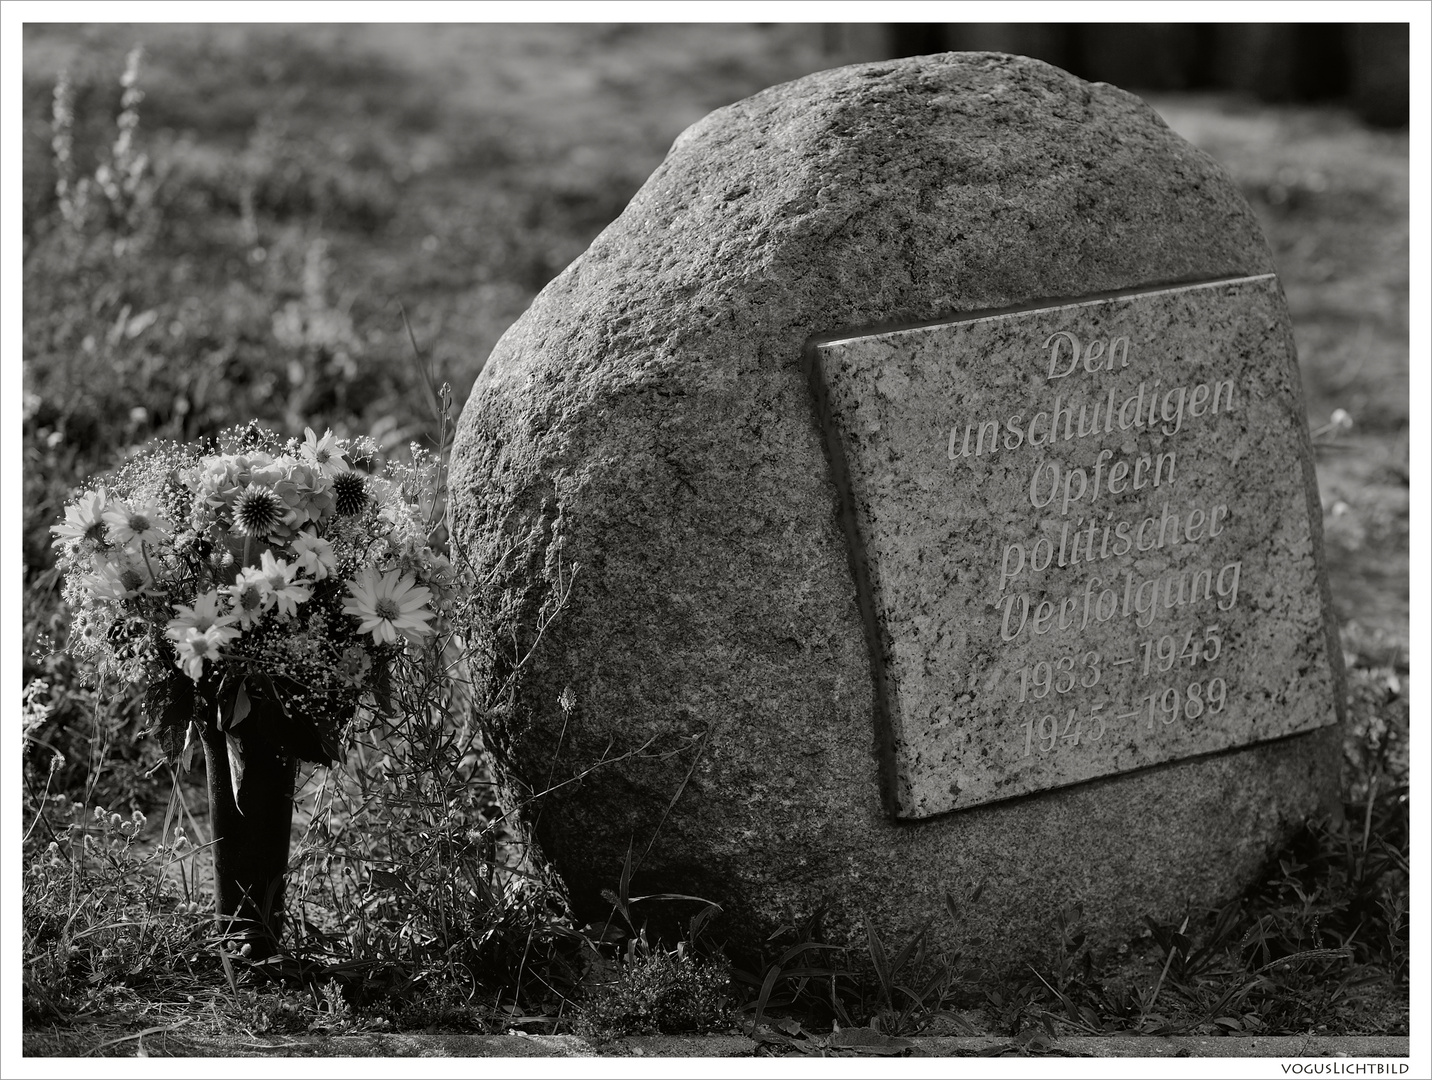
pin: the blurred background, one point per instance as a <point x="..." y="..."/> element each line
<point x="229" y="221"/>
<point x="1362" y="65"/>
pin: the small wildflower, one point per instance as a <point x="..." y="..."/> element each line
<point x="354" y="664"/>
<point x="204" y="614"/>
<point x="252" y="596"/>
<point x="287" y="594"/>
<point x="117" y="580"/>
<point x="313" y="555"/>
<point x="197" y="646"/>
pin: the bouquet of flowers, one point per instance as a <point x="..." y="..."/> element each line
<point x="264" y="591"/>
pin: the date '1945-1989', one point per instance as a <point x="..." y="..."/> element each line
<point x="1169" y="704"/>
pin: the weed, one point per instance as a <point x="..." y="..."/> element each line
<point x="657" y="992"/>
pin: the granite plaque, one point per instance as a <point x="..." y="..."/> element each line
<point x="1082" y="537"/>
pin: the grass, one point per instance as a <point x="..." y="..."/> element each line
<point x="254" y="236"/>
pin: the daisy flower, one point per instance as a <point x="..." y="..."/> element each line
<point x="388" y="605"/>
<point x="203" y="616"/>
<point x="287" y="594"/>
<point x="118" y="580"/>
<point x="313" y="555"/>
<point x="195" y="646"/>
<point x="84" y="519"/>
<point x="251" y="595"/>
<point x="141" y="522"/>
<point x="325" y="454"/>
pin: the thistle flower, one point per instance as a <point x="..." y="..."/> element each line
<point x="325" y="454"/>
<point x="349" y="493"/>
<point x="287" y="594"/>
<point x="259" y="512"/>
<point x="140" y="523"/>
<point x="388" y="606"/>
<point x="84" y="519"/>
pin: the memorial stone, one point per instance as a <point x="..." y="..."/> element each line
<point x="911" y="488"/>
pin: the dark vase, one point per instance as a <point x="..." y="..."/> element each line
<point x="251" y="839"/>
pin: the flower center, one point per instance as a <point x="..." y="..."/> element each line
<point x="200" y="646"/>
<point x="250" y="598"/>
<point x="130" y="579"/>
<point x="95" y="532"/>
<point x="387" y="608"/>
<point x="138" y="523"/>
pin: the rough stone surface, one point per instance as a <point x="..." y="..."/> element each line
<point x="1068" y="567"/>
<point x="645" y="437"/>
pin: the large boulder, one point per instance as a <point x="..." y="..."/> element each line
<point x="641" y="470"/>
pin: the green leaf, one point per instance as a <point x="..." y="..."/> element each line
<point x="227" y="696"/>
<point x="170" y="705"/>
<point x="236" y="766"/>
<point x="192" y="738"/>
<point x="241" y="706"/>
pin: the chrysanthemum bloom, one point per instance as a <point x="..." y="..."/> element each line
<point x="224" y="477"/>
<point x="324" y="454"/>
<point x="307" y="493"/>
<point x="204" y="615"/>
<point x="84" y="519"/>
<point x="138" y="524"/>
<point x="251" y="596"/>
<point x="349" y="493"/>
<point x="196" y="646"/>
<point x="287" y="594"/>
<point x="259" y="512"/>
<point x="388" y="606"/>
<point x="313" y="555"/>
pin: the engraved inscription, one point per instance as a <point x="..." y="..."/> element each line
<point x="1083" y="537"/>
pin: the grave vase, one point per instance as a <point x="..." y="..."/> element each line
<point x="251" y="836"/>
